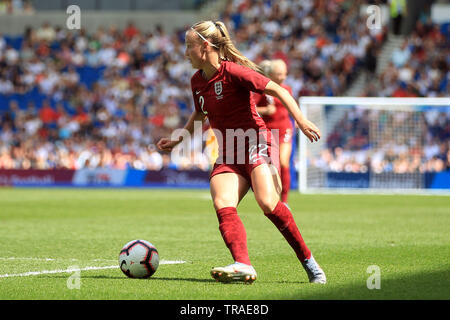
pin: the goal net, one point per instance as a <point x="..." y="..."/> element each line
<point x="376" y="144"/>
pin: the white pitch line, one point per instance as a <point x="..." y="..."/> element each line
<point x="70" y="269"/>
<point x="36" y="259"/>
<point x="51" y="259"/>
<point x="172" y="262"/>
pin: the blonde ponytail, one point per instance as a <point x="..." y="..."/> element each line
<point x="217" y="34"/>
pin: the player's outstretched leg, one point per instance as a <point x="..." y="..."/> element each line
<point x="267" y="196"/>
<point x="282" y="218"/>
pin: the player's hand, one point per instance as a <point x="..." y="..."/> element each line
<point x="310" y="130"/>
<point x="165" y="144"/>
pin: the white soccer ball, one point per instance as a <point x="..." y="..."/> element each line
<point x="138" y="259"/>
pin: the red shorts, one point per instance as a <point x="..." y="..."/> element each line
<point x="265" y="151"/>
<point x="286" y="135"/>
<point x="284" y="128"/>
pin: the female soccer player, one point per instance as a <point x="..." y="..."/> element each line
<point x="221" y="88"/>
<point x="276" y="116"/>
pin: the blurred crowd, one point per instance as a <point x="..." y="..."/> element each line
<point x="16" y="7"/>
<point x="142" y="89"/>
<point x="420" y="67"/>
<point x="324" y="43"/>
<point x="143" y="93"/>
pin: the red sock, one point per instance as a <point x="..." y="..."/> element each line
<point x="285" y="183"/>
<point x="282" y="218"/>
<point x="233" y="233"/>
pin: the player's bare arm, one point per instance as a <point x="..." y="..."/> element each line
<point x="308" y="128"/>
<point x="267" y="110"/>
<point x="167" y="144"/>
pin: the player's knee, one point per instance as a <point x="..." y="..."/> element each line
<point x="267" y="204"/>
<point x="220" y="202"/>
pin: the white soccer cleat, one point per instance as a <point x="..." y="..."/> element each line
<point x="234" y="272"/>
<point x="314" y="271"/>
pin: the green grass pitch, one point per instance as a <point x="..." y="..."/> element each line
<point x="407" y="237"/>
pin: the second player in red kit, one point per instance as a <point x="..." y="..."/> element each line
<point x="276" y="117"/>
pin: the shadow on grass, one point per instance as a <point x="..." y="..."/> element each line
<point x="420" y="286"/>
<point x="182" y="279"/>
<point x="156" y="278"/>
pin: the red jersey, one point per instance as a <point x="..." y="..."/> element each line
<point x="280" y="119"/>
<point x="227" y="101"/>
<point x="226" y="98"/>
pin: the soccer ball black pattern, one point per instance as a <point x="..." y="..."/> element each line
<point x="139" y="259"/>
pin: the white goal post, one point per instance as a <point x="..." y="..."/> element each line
<point x="381" y="145"/>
